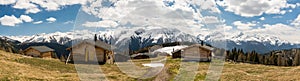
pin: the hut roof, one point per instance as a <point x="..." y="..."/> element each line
<point x="40" y="48"/>
<point x="195" y="45"/>
<point x="97" y="43"/>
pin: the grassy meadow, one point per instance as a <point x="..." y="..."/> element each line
<point x="18" y="67"/>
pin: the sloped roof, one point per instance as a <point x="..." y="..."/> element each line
<point x="196" y="45"/>
<point x="40" y="48"/>
<point x="97" y="43"/>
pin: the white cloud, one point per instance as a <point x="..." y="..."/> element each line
<point x="211" y="19"/>
<point x="37" y="22"/>
<point x="262" y="18"/>
<point x="243" y="26"/>
<point x="223" y="28"/>
<point x="51" y="19"/>
<point x="145" y="13"/>
<point x="13" y="20"/>
<point x="10" y="20"/>
<point x="102" y="24"/>
<point x="25" y="4"/>
<point x="68" y="22"/>
<point x="6" y="2"/>
<point x="277" y="17"/>
<point x="251" y="8"/>
<point x="207" y="5"/>
<point x="282" y="31"/>
<point x="26" y="18"/>
<point x="32" y="10"/>
<point x="226" y="27"/>
<point x="35" y="6"/>
<point x="296" y="22"/>
<point x="53" y="5"/>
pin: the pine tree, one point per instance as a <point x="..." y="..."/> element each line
<point x="248" y="58"/>
<point x="240" y="57"/>
<point x="260" y="59"/>
<point x="273" y="59"/>
<point x="296" y="58"/>
<point x="255" y="57"/>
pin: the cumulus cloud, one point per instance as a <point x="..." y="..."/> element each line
<point x="296" y="22"/>
<point x="51" y="19"/>
<point x="25" y="4"/>
<point x="181" y="14"/>
<point x="6" y="2"/>
<point x="102" y="24"/>
<point x="26" y="18"/>
<point x="207" y="5"/>
<point x="282" y="31"/>
<point x="37" y="22"/>
<point x="10" y="20"/>
<point x="35" y="6"/>
<point x="251" y="8"/>
<point x="243" y="26"/>
<point x="32" y="10"/>
<point x="262" y="18"/>
<point x="211" y="19"/>
<point x="68" y="22"/>
<point x="53" y="5"/>
<point x="13" y="20"/>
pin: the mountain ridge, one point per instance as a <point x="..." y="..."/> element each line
<point x="139" y="38"/>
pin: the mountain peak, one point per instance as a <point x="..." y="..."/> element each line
<point x="149" y="36"/>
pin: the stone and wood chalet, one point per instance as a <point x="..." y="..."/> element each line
<point x="39" y="51"/>
<point x="196" y="52"/>
<point x="91" y="51"/>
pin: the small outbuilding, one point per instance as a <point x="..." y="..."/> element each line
<point x="196" y="52"/>
<point x="39" y="51"/>
<point x="91" y="51"/>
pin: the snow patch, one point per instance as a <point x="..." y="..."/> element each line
<point x="170" y="49"/>
<point x="154" y="65"/>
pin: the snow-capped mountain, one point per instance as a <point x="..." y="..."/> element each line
<point x="242" y="37"/>
<point x="141" y="37"/>
<point x="57" y="37"/>
<point x="8" y="39"/>
<point x="8" y="44"/>
<point x="248" y="42"/>
<point x="134" y="38"/>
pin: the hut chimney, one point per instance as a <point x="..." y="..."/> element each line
<point x="95" y="37"/>
<point x="173" y="50"/>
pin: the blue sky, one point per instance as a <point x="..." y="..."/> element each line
<point x="235" y="15"/>
<point x="66" y="14"/>
<point x="286" y="18"/>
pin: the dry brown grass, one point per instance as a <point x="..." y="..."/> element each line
<point x="12" y="69"/>
<point x="17" y="67"/>
<point x="244" y="71"/>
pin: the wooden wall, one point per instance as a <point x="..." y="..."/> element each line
<point x="197" y="53"/>
<point x="35" y="53"/>
<point x="32" y="52"/>
<point x="88" y="53"/>
<point x="47" y="54"/>
<point x="84" y="52"/>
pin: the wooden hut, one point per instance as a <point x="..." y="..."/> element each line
<point x="195" y="52"/>
<point x="91" y="51"/>
<point x="39" y="51"/>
